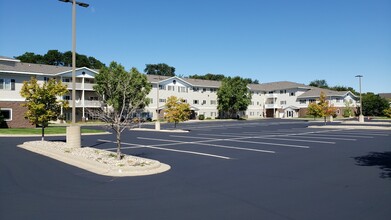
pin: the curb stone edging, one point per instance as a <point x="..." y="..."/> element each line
<point x="96" y="167"/>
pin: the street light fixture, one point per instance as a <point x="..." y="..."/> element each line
<point x="361" y="116"/>
<point x="73" y="131"/>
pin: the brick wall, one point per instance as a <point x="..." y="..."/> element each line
<point x="18" y="120"/>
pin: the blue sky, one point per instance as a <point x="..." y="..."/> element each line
<point x="268" y="40"/>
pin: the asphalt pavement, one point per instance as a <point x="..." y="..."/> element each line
<point x="266" y="169"/>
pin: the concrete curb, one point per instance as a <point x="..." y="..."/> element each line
<point x="96" y="167"/>
<point x="351" y="127"/>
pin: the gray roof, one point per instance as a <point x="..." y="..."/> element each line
<point x="315" y="92"/>
<point x="3" y="58"/>
<point x="194" y="82"/>
<point x="273" y="86"/>
<point x="385" y="95"/>
<point x="32" y="68"/>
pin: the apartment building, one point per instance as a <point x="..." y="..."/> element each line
<point x="276" y="99"/>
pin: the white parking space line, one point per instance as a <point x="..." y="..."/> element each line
<point x="240" y="139"/>
<point x="286" y="139"/>
<point x="317" y="137"/>
<point x="173" y="150"/>
<point x="208" y="144"/>
<point x="367" y="133"/>
<point x="267" y="143"/>
<point x="337" y="135"/>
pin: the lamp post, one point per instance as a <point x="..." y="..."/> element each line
<point x="361" y="116"/>
<point x="73" y="131"/>
<point x="157" y="124"/>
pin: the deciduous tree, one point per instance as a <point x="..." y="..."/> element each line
<point x="161" y="69"/>
<point x="122" y="94"/>
<point x="41" y="101"/>
<point x="373" y="105"/>
<point x="176" y="110"/>
<point x="233" y="96"/>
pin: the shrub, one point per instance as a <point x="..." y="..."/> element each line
<point x="201" y="117"/>
<point x="387" y="112"/>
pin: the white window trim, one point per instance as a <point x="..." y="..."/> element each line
<point x="10" y="109"/>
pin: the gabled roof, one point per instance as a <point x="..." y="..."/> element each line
<point x="38" y="69"/>
<point x="193" y="82"/>
<point x="314" y="92"/>
<point x="273" y="86"/>
<point x="3" y="58"/>
<point x="32" y="68"/>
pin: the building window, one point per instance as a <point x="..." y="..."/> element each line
<point x="195" y="89"/>
<point x="6" y="113"/>
<point x="338" y="100"/>
<point x="292" y="94"/>
<point x="271" y="92"/>
<point x="257" y="103"/>
<point x="213" y="102"/>
<point x="213" y="89"/>
<point x="182" y="89"/>
<point x="170" y="88"/>
<point x="150" y="100"/>
<point x="303" y="101"/>
<point x="282" y="102"/>
<point x="195" y="102"/>
<point x="203" y="89"/>
<point x="66" y="80"/>
<point x="66" y="97"/>
<point x="7" y="84"/>
<point x="203" y="102"/>
<point x="162" y="100"/>
<point x="312" y="100"/>
<point x="162" y="87"/>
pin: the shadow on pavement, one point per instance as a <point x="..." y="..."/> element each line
<point x="381" y="159"/>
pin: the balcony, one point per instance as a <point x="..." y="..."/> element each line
<point x="87" y="104"/>
<point x="271" y="106"/>
<point x="270" y="96"/>
<point x="79" y="86"/>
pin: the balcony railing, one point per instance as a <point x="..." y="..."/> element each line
<point x="271" y="96"/>
<point x="87" y="103"/>
<point x="87" y="86"/>
<point x="271" y="106"/>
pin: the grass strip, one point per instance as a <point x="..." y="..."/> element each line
<point x="48" y="130"/>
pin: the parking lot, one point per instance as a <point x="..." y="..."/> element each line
<point x="266" y="169"/>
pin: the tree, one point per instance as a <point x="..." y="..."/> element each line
<point x="30" y="57"/>
<point x="387" y="112"/>
<point x="233" y="96"/>
<point x="208" y="76"/>
<point x="41" y="101"/>
<point x="314" y="109"/>
<point x="348" y="111"/>
<point x="322" y="108"/>
<point x="176" y="110"/>
<point x="321" y="83"/>
<point x="53" y="57"/>
<point x="122" y="94"/>
<point x="57" y="58"/>
<point x="373" y="105"/>
<point x="161" y="69"/>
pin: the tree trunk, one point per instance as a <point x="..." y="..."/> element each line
<point x="175" y="124"/>
<point x="325" y="120"/>
<point x="43" y="132"/>
<point x="118" y="142"/>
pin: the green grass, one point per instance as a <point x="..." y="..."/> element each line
<point x="48" y="130"/>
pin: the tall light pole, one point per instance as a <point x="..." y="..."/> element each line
<point x="73" y="131"/>
<point x="157" y="124"/>
<point x="361" y="116"/>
